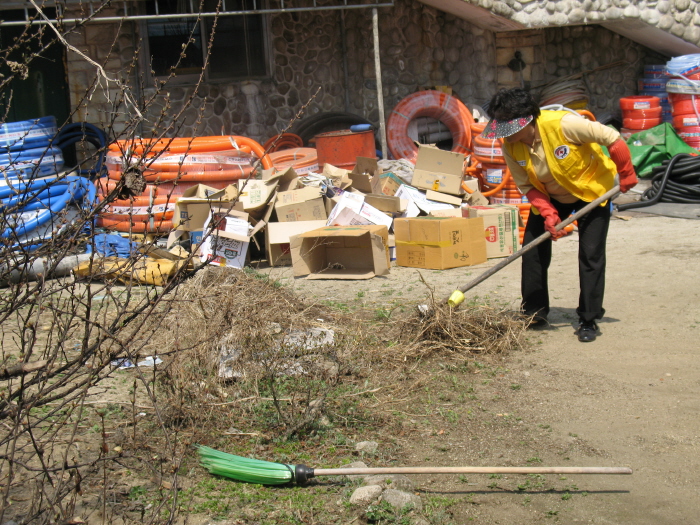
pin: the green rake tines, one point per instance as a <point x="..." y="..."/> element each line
<point x="268" y="473"/>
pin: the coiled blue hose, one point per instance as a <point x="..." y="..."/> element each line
<point x="26" y="150"/>
<point x="46" y="197"/>
<point x="33" y="133"/>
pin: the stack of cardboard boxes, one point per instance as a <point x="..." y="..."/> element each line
<point x="353" y="228"/>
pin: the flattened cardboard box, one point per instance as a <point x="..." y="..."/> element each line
<point x="438" y="243"/>
<point x="500" y="228"/>
<point x="439" y="170"/>
<point x="341" y="252"/>
<point x="277" y="238"/>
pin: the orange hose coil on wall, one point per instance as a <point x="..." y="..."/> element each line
<point x="435" y="104"/>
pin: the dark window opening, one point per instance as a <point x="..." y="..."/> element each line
<point x="180" y="45"/>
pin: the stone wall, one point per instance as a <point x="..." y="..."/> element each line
<point x="420" y="47"/>
<point x="572" y="50"/>
<point x="678" y="17"/>
<point x="96" y="98"/>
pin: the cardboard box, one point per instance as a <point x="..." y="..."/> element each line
<point x="471" y="183"/>
<point x="339" y="176"/>
<point x="418" y="202"/>
<point x="443" y="197"/>
<point x="439" y="243"/>
<point x="255" y="194"/>
<point x="352" y="210"/>
<point x="363" y="172"/>
<point x="193" y="208"/>
<point x="439" y="170"/>
<point x="452" y="212"/>
<point x="277" y="239"/>
<point x="230" y="237"/>
<point x="500" y="228"/>
<point x="306" y="204"/>
<point x="386" y="183"/>
<point x="287" y="180"/>
<point x="341" y="252"/>
<point x="393" y="206"/>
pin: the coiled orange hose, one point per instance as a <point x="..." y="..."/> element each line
<point x="436" y="104"/>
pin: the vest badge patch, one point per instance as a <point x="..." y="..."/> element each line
<point x="522" y="163"/>
<point x="561" y="152"/>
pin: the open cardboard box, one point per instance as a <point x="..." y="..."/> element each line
<point x="386" y="183"/>
<point x="341" y="252"/>
<point x="439" y="170"/>
<point x="277" y="237"/>
<point x="353" y="209"/>
<point x="362" y="174"/>
<point x="227" y="245"/>
<point x="193" y="207"/>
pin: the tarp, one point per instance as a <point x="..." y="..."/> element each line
<point x="111" y="245"/>
<point x="649" y="148"/>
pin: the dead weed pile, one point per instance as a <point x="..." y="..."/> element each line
<point x="458" y="333"/>
<point x="249" y="354"/>
<point x="250" y="351"/>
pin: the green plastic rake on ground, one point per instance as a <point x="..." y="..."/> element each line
<point x="268" y="473"/>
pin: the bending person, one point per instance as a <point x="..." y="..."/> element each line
<point x="556" y="160"/>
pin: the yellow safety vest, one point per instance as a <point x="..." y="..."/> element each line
<point x="581" y="169"/>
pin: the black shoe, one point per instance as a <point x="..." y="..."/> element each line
<point x="587" y="331"/>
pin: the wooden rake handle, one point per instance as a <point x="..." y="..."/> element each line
<point x="546" y="235"/>
<point x="470" y="470"/>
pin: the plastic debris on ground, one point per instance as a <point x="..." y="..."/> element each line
<point x="401" y="167"/>
<point x="303" y="340"/>
<point x="150" y="361"/>
<point x="111" y="245"/>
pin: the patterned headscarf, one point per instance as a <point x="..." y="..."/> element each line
<point x="498" y="129"/>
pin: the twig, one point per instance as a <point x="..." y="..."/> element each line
<point x="21" y="369"/>
<point x="364" y="392"/>
<point x="100" y="70"/>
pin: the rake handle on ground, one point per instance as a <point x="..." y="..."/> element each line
<point x="470" y="470"/>
<point x="546" y="235"/>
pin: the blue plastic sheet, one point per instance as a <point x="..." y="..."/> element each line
<point x="110" y="245"/>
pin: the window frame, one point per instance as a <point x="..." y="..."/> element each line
<point x="205" y="32"/>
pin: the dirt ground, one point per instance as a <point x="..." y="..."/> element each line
<point x="628" y="399"/>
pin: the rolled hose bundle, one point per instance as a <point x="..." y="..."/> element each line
<point x="303" y="160"/>
<point x="84" y="132"/>
<point x="283" y="141"/>
<point x="191" y="146"/>
<point x="34" y="133"/>
<point x="26" y="149"/>
<point x="42" y="199"/>
<point x="435" y="104"/>
<point x="145" y="213"/>
<point x="676" y="180"/>
<point x="177" y="164"/>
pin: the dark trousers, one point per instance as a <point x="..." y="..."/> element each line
<point x="593" y="232"/>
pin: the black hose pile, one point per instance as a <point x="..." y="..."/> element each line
<point x="676" y="180"/>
